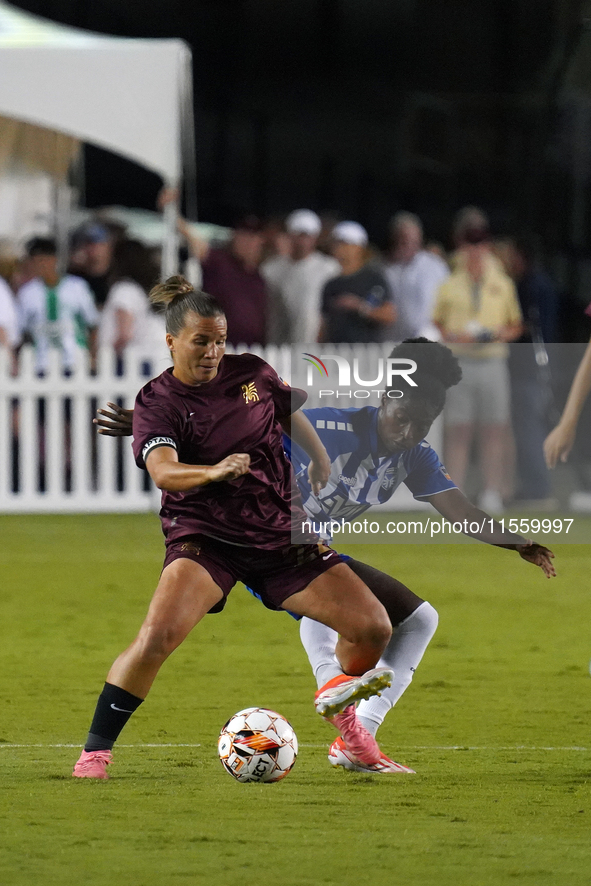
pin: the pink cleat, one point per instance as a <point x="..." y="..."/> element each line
<point x="340" y="755"/>
<point x="92" y="764"/>
<point x="359" y="741"/>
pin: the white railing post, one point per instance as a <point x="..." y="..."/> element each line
<point x="28" y="429"/>
<point x="81" y="431"/>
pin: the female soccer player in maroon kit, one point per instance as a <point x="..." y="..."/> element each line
<point x="209" y="431"/>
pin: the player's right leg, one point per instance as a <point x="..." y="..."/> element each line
<point x="339" y="599"/>
<point x="185" y="593"/>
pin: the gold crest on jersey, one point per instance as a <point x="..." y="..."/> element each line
<point x="249" y="392"/>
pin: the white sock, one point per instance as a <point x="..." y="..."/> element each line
<point x="403" y="654"/>
<point x="320" y="643"/>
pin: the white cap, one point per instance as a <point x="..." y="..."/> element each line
<point x="350" y="232"/>
<point x="303" y="221"/>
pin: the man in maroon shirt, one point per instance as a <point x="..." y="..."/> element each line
<point x="231" y="275"/>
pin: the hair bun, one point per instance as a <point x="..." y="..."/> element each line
<point x="165" y="293"/>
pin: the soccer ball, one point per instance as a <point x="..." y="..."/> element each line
<point x="257" y="745"/>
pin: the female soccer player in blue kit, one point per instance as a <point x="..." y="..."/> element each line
<point x="372" y="451"/>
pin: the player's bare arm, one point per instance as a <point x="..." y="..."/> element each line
<point x="196" y="245"/>
<point x="168" y="473"/>
<point x="115" y="421"/>
<point x="560" y="440"/>
<point x="455" y="507"/>
<point x="300" y="430"/>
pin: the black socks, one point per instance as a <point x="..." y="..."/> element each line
<point x="114" y="708"/>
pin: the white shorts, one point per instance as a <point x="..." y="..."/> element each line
<point x="482" y="396"/>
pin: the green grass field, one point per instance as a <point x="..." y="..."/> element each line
<point x="496" y="724"/>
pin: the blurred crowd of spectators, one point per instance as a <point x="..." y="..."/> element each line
<point x="304" y="279"/>
<point x="99" y="299"/>
<point x="308" y="279"/>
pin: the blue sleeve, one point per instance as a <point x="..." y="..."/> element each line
<point x="426" y="474"/>
<point x="329" y="422"/>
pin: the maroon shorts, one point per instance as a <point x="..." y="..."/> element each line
<point x="273" y="576"/>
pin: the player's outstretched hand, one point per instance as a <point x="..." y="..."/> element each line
<point x="116" y="423"/>
<point x="318" y="474"/>
<point x="558" y="444"/>
<point x="229" y="468"/>
<point x="539" y="556"/>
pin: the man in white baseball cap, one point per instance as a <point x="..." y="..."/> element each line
<point x="295" y="281"/>
<point x="350" y="232"/>
<point x="357" y="305"/>
<point x="303" y="221"/>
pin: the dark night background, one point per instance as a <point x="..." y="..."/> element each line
<point x="365" y="107"/>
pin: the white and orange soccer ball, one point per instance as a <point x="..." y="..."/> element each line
<point x="257" y="744"/>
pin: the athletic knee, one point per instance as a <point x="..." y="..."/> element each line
<point x="376" y="628"/>
<point x="382" y="633"/>
<point x="156" y="641"/>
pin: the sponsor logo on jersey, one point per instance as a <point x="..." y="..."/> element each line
<point x="348" y="481"/>
<point x="249" y="392"/>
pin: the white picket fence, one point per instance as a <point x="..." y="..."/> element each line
<point x="81" y="471"/>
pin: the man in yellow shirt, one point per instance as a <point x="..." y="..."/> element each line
<point x="477" y="312"/>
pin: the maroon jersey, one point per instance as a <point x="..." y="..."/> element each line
<point x="238" y="411"/>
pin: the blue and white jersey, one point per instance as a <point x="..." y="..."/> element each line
<point x="359" y="477"/>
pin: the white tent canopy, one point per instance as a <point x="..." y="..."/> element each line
<point x="130" y="96"/>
